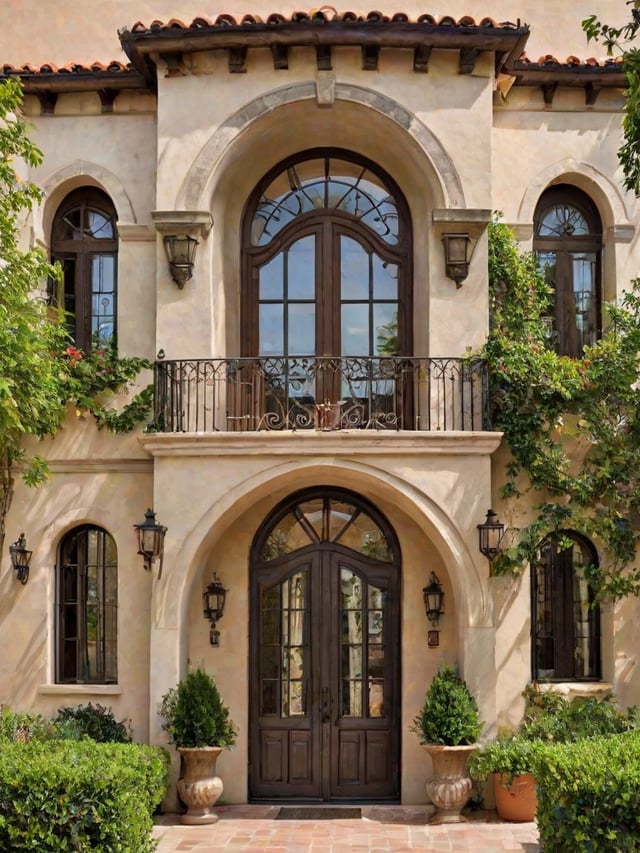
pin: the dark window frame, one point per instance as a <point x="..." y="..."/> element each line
<point x="553" y="629"/>
<point x="75" y="256"/>
<point x="563" y="246"/>
<point x="328" y="225"/>
<point x="73" y="606"/>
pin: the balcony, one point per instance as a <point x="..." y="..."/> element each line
<point x="324" y="394"/>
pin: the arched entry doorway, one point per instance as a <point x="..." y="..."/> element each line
<point x="325" y="651"/>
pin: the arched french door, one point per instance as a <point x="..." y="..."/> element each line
<point x="326" y="297"/>
<point x="325" y="652"/>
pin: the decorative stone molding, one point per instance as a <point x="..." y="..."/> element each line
<point x="470" y="220"/>
<point x="198" y="222"/>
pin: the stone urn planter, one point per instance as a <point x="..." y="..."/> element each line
<point x="449" y="726"/>
<point x="198" y="723"/>
<point x="451" y="786"/>
<point x="199" y="787"/>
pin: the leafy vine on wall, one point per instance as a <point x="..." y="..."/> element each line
<point x="572" y="426"/>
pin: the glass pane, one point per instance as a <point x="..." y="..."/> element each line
<point x="376" y="699"/>
<point x="70" y="226"/>
<point x="341" y="514"/>
<point x="375" y="626"/>
<point x="365" y="536"/>
<point x="288" y="536"/>
<point x="99" y="226"/>
<point x="584" y="269"/>
<point x="351" y="589"/>
<point x="271" y="279"/>
<point x="301" y="272"/>
<point x="271" y="326"/>
<point x="351" y="698"/>
<point x="103" y="296"/>
<point x="563" y="220"/>
<point x="302" y="329"/>
<point x="385" y="279"/>
<point x="313" y="512"/>
<point x="355" y="329"/>
<point x="376" y="661"/>
<point x="270" y="662"/>
<point x="351" y="661"/>
<point x="354" y="270"/>
<point x="269" y="705"/>
<point x="385" y="328"/>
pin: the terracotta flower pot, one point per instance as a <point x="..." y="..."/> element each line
<point x="517" y="803"/>
<point x="451" y="786"/>
<point x="199" y="787"/>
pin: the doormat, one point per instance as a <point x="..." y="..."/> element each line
<point x="318" y="813"/>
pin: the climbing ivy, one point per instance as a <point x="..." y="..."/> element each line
<point x="572" y="426"/>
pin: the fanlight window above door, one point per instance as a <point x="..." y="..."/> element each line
<point x="326" y="519"/>
<point x="325" y="183"/>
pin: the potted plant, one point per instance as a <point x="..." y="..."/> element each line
<point x="548" y="718"/>
<point x="510" y="758"/>
<point x="448" y="727"/>
<point x="199" y="725"/>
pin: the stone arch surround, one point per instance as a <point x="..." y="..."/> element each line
<point x="441" y="172"/>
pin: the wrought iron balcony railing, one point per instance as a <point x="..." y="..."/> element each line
<point x="277" y="393"/>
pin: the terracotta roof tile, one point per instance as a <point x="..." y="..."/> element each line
<point x="325" y="14"/>
<point x="572" y="62"/>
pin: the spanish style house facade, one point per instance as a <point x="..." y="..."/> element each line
<point x="321" y="440"/>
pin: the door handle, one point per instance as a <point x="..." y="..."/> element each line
<point x="325" y="705"/>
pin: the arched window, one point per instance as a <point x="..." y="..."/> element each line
<point x="87" y="607"/>
<point x="565" y="620"/>
<point x="326" y="249"/>
<point x="84" y="242"/>
<point x="568" y="243"/>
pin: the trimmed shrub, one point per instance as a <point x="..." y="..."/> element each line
<point x="195" y="714"/>
<point x="449" y="715"/>
<point x="21" y="726"/>
<point x="588" y="795"/>
<point x="93" y="721"/>
<point x="80" y="796"/>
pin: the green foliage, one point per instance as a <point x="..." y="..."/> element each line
<point x="620" y="39"/>
<point x="195" y="714"/>
<point x="547" y="405"/>
<point x="38" y="373"/>
<point x="450" y="714"/>
<point x="92" y="721"/>
<point x="550" y="718"/>
<point x="588" y="794"/>
<point x="21" y="726"/>
<point x="63" y="796"/>
<point x="91" y="379"/>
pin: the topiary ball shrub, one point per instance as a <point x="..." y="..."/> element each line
<point x="450" y="715"/>
<point x="195" y="714"/>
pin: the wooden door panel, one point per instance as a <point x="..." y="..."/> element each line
<point x="325" y="695"/>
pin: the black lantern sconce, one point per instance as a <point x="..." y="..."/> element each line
<point x="151" y="540"/>
<point x="181" y="254"/>
<point x="490" y="534"/>
<point x="433" y="596"/>
<point x="457" y="256"/>
<point x="213" y="599"/>
<point x="20" y="558"/>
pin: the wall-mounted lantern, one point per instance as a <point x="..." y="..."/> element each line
<point x="490" y="534"/>
<point x="457" y="256"/>
<point x="181" y="254"/>
<point x="433" y="596"/>
<point x="181" y="232"/>
<point x="213" y="599"/>
<point x="151" y="540"/>
<point x="20" y="558"/>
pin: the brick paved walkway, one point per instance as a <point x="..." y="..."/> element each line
<point x="381" y="829"/>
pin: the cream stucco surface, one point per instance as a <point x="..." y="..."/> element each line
<point x="199" y="146"/>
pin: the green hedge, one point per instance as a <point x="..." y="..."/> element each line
<point x="589" y="795"/>
<point x="80" y="796"/>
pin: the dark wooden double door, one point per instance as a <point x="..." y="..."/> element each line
<point x="324" y="682"/>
